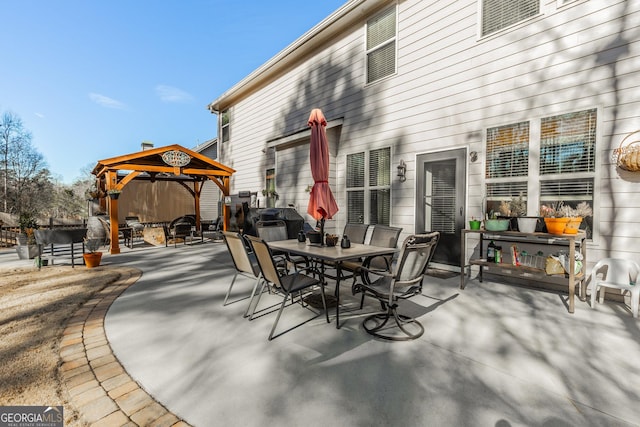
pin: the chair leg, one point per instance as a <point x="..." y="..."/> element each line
<point x="635" y="302"/>
<point x="253" y="293"/>
<point x="226" y="298"/>
<point x="379" y="320"/>
<point x="264" y="282"/>
<point x="275" y="323"/>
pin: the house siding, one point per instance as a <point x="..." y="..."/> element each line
<point x="450" y="86"/>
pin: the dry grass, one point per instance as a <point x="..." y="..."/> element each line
<point x="34" y="308"/>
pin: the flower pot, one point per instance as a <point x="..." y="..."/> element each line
<point x="496" y="224"/>
<point x="573" y="225"/>
<point x="92" y="259"/>
<point x="556" y="225"/>
<point x="527" y="224"/>
<point x="474" y="224"/>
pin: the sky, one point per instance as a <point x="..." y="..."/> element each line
<point x="93" y="79"/>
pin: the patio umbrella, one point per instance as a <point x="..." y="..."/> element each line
<point x="321" y="201"/>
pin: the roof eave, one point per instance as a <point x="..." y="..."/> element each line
<point x="343" y="18"/>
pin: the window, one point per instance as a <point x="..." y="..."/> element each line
<point x="369" y="187"/>
<point x="507" y="165"/>
<point x="564" y="169"/>
<point x="499" y="14"/>
<point x="270" y="188"/>
<point x="225" y="125"/>
<point x="381" y="45"/>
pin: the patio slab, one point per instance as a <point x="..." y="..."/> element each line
<point x="492" y="354"/>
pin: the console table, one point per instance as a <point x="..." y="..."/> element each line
<point x="570" y="241"/>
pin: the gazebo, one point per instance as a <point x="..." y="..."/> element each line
<point x="171" y="163"/>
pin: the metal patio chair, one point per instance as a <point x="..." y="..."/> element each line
<point x="244" y="263"/>
<point x="287" y="283"/>
<point x="403" y="282"/>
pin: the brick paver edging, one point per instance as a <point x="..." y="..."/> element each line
<point x="93" y="378"/>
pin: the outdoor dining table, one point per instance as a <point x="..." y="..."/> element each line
<point x="335" y="254"/>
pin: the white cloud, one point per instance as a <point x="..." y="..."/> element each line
<point x="105" y="101"/>
<point x="172" y="94"/>
<point x="40" y="115"/>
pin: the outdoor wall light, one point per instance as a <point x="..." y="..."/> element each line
<point x="402" y="171"/>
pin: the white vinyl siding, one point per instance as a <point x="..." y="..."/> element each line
<point x="381" y="45"/>
<point x="499" y="14"/>
<point x="449" y="88"/>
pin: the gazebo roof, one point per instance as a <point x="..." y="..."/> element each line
<point x="173" y="161"/>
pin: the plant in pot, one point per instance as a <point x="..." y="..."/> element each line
<point x="555" y="217"/>
<point x="575" y="216"/>
<point x="474" y="224"/>
<point x="26" y="239"/>
<point x="114" y="194"/>
<point x="494" y="223"/>
<point x="93" y="257"/>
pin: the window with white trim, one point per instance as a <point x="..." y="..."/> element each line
<point x="564" y="156"/>
<point x="225" y="126"/>
<point x="381" y="45"/>
<point x="369" y="187"/>
<point x="499" y="14"/>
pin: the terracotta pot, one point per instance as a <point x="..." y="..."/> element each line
<point x="92" y="259"/>
<point x="573" y="225"/>
<point x="556" y="225"/>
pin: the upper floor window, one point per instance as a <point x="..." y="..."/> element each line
<point x="225" y="126"/>
<point x="499" y="14"/>
<point x="381" y="45"/>
<point x="369" y="187"/>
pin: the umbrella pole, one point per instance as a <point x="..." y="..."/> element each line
<point x="322" y="231"/>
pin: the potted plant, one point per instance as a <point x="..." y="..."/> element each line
<point x="26" y="240"/>
<point x="474" y="224"/>
<point x="93" y="257"/>
<point x="554" y="217"/>
<point x="114" y="194"/>
<point x="494" y="223"/>
<point x="575" y="216"/>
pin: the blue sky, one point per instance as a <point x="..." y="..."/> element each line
<point x="93" y="79"/>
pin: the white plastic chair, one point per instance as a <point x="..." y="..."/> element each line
<point x="616" y="273"/>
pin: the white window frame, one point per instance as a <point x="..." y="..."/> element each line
<point x="534" y="176"/>
<point x="393" y="39"/>
<point x="226" y="126"/>
<point x="481" y="34"/>
<point x="368" y="188"/>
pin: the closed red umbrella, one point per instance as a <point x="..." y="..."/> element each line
<point x="321" y="202"/>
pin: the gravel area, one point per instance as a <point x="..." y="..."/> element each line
<point x="34" y="308"/>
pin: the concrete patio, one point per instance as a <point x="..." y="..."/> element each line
<point x="491" y="355"/>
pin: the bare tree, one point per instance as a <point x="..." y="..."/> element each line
<point x="12" y="136"/>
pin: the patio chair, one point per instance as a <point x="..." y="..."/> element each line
<point x="356" y="232"/>
<point x="274" y="230"/>
<point x="180" y="228"/>
<point x="616" y="273"/>
<point x="133" y="222"/>
<point x="384" y="236"/>
<point x="288" y="283"/>
<point x="244" y="263"/>
<point x="405" y="281"/>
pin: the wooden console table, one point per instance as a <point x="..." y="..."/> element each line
<point x="508" y="269"/>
